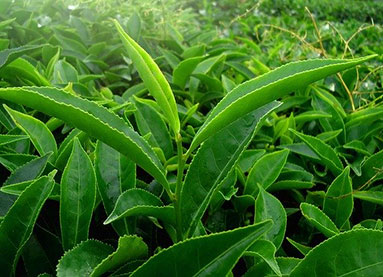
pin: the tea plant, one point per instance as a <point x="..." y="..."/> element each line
<point x="200" y="161"/>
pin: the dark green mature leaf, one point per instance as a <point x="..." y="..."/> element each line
<point x="266" y="88"/>
<point x="212" y="255"/>
<point x="266" y="251"/>
<point x="370" y="170"/>
<point x="153" y="78"/>
<point x="39" y="134"/>
<point x="338" y="203"/>
<point x="300" y="247"/>
<point x="326" y="154"/>
<point x="7" y="139"/>
<point x="265" y="171"/>
<point x="353" y="253"/>
<point x="115" y="174"/>
<point x="319" y="219"/>
<point x="212" y="163"/>
<point x="129" y="248"/>
<point x="268" y="206"/>
<point x="93" y="119"/>
<point x="77" y="197"/>
<point x="134" y="202"/>
<point x="18" y="223"/>
<point x="83" y="259"/>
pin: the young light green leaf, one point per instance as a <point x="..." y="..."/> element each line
<point x="319" y="219"/>
<point x="338" y="203"/>
<point x="39" y="134"/>
<point x="326" y="154"/>
<point x="268" y="206"/>
<point x="92" y="119"/>
<point x="337" y="256"/>
<point x="153" y="78"/>
<point x="134" y="202"/>
<point x="83" y="259"/>
<point x="9" y="55"/>
<point x="115" y="174"/>
<point x="212" y="163"/>
<point x="265" y="171"/>
<point x="129" y="248"/>
<point x="184" y="69"/>
<point x="266" y="88"/>
<point x="77" y="197"/>
<point x="212" y="255"/>
<point x="18" y="223"/>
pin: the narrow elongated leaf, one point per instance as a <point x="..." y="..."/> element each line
<point x="9" y="55"/>
<point x="319" y="219"/>
<point x="184" y="69"/>
<point x="115" y="174"/>
<point x="370" y="170"/>
<point x="338" y="203"/>
<point x="18" y="223"/>
<point x="370" y="196"/>
<point x="38" y="132"/>
<point x="77" y="197"/>
<point x="212" y="163"/>
<point x="29" y="171"/>
<point x="265" y="171"/>
<point x="300" y="247"/>
<point x="266" y="88"/>
<point x="82" y="259"/>
<point x="212" y="255"/>
<point x="129" y="248"/>
<point x="353" y="253"/>
<point x="136" y="202"/>
<point x="93" y="119"/>
<point x="153" y="78"/>
<point x="268" y="206"/>
<point x="326" y="154"/>
<point x="6" y="139"/>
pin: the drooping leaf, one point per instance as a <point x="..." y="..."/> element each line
<point x="319" y="219"/>
<point x="338" y="203"/>
<point x="93" y="119"/>
<point x="266" y="88"/>
<point x="212" y="163"/>
<point x="77" y="197"/>
<point x="266" y="251"/>
<point x="338" y="256"/>
<point x="18" y="223"/>
<point x="153" y="78"/>
<point x="212" y="255"/>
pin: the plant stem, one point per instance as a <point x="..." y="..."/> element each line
<point x="180" y="172"/>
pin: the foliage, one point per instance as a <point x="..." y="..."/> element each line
<point x="154" y="138"/>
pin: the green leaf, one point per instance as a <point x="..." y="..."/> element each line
<point x="37" y="131"/>
<point x="184" y="69"/>
<point x="136" y="202"/>
<point x="338" y="203"/>
<point x="83" y="259"/>
<point x="28" y="171"/>
<point x="7" y="139"/>
<point x="212" y="255"/>
<point x="370" y="170"/>
<point x="319" y="219"/>
<point x="326" y="154"/>
<point x="265" y="171"/>
<point x="268" y="206"/>
<point x="212" y="163"/>
<point x="353" y="253"/>
<point x="77" y="197"/>
<point x="129" y="248"/>
<point x="93" y="119"/>
<point x="153" y="78"/>
<point x="370" y="196"/>
<point x="149" y="121"/>
<point x="300" y="247"/>
<point x="266" y="251"/>
<point x="9" y="55"/>
<point x="266" y="88"/>
<point x="18" y="223"/>
<point x="115" y="174"/>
